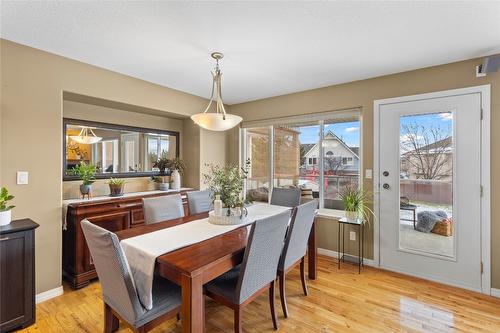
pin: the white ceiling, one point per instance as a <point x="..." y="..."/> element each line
<point x="271" y="48"/>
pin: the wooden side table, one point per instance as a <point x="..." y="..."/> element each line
<point x="360" y="224"/>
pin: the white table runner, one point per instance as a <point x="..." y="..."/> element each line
<point x="142" y="251"/>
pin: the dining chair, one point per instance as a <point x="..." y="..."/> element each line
<point x="294" y="250"/>
<point x="162" y="208"/>
<point x="118" y="290"/>
<point x="288" y="197"/>
<point x="257" y="273"/>
<point x="199" y="201"/>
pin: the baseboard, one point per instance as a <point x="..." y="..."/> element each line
<point x="495" y="292"/>
<point x="41" y="297"/>
<point x="354" y="258"/>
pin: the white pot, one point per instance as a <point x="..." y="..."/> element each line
<point x="351" y="216"/>
<point x="5" y="217"/>
<point x="176" y="180"/>
<point x="163" y="186"/>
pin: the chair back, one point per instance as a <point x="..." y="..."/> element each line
<point x="262" y="255"/>
<point x="288" y="197"/>
<point x="162" y="208"/>
<point x="118" y="289"/>
<point x="199" y="201"/>
<point x="298" y="234"/>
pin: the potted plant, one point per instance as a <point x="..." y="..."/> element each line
<point x="227" y="183"/>
<point x="161" y="183"/>
<point x="86" y="172"/>
<point x="177" y="166"/>
<point x="5" y="209"/>
<point x="356" y="201"/>
<point x="116" y="187"/>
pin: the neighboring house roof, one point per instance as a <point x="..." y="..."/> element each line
<point x="446" y="143"/>
<point x="307" y="147"/>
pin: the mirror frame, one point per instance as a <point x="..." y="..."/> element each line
<point x="71" y="121"/>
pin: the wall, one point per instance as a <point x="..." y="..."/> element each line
<point x="85" y="111"/>
<point x="363" y="93"/>
<point x="32" y="86"/>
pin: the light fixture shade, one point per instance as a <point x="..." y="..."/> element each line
<point x="216" y="121"/>
<point x="86" y="140"/>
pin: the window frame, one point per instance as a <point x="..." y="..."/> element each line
<point x="320" y="120"/>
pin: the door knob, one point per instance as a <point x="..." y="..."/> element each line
<point x="386" y="173"/>
<point x="386" y="186"/>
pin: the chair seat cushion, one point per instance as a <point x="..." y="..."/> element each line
<point x="166" y="297"/>
<point x="225" y="285"/>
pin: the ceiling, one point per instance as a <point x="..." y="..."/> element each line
<point x="271" y="48"/>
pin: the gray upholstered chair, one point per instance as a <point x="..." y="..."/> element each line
<point x="199" y="201"/>
<point x="162" y="208"/>
<point x="257" y="273"/>
<point x="118" y="290"/>
<point x="295" y="247"/>
<point x="288" y="197"/>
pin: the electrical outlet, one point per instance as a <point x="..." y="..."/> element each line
<point x="352" y="235"/>
<point x="368" y="173"/>
<point x="22" y="178"/>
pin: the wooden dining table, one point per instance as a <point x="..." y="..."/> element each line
<point x="192" y="266"/>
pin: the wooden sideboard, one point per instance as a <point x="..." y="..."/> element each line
<point x="113" y="214"/>
<point x="17" y="274"/>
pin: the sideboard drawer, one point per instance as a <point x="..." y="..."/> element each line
<point x="137" y="217"/>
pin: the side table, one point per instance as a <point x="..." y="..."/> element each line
<point x="360" y="224"/>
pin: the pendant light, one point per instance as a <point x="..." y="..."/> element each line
<point x="86" y="136"/>
<point x="218" y="120"/>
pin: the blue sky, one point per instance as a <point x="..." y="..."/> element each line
<point x="348" y="131"/>
<point x="442" y="120"/>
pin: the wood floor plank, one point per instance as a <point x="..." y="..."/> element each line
<point x="338" y="301"/>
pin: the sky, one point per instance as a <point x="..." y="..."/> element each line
<point x="349" y="131"/>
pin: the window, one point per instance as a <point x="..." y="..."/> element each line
<point x="320" y="157"/>
<point x="158" y="147"/>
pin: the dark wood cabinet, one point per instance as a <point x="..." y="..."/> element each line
<point x="114" y="215"/>
<point x="17" y="274"/>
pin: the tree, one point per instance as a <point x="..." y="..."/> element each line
<point x="333" y="164"/>
<point x="426" y="151"/>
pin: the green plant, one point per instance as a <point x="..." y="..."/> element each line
<point x="116" y="181"/>
<point x="162" y="163"/>
<point x="4" y="198"/>
<point x="177" y="164"/>
<point x="227" y="182"/>
<point x="85" y="171"/>
<point x="356" y="199"/>
<point x="157" y="179"/>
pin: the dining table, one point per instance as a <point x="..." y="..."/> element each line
<point x="192" y="266"/>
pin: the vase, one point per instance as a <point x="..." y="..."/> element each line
<point x="351" y="216"/>
<point x="163" y="186"/>
<point x="5" y="217"/>
<point x="86" y="190"/>
<point x="116" y="190"/>
<point x="176" y="180"/>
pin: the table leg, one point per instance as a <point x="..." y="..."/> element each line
<point x="363" y="245"/>
<point x="193" y="307"/>
<point x="338" y="247"/>
<point x="414" y="220"/>
<point x="312" y="253"/>
<point x="343" y="243"/>
<point x="359" y="251"/>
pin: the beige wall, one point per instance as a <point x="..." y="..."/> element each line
<point x="76" y="110"/>
<point x="32" y="86"/>
<point x="363" y="93"/>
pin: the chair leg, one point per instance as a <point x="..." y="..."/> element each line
<point x="111" y="322"/>
<point x="284" y="306"/>
<point x="303" y="276"/>
<point x="237" y="320"/>
<point x="271" y="303"/>
<point x="178" y="316"/>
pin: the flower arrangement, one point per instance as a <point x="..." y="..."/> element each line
<point x="228" y="183"/>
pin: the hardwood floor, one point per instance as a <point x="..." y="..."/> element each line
<point x="338" y="301"/>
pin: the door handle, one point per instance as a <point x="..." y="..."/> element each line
<point x="386" y="186"/>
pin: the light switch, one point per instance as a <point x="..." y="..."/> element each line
<point x="22" y="178"/>
<point x="352" y="235"/>
<point x="368" y="173"/>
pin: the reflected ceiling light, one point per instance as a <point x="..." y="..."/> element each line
<point x="218" y="120"/>
<point x="86" y="136"/>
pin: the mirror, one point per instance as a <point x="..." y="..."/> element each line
<point x="115" y="150"/>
